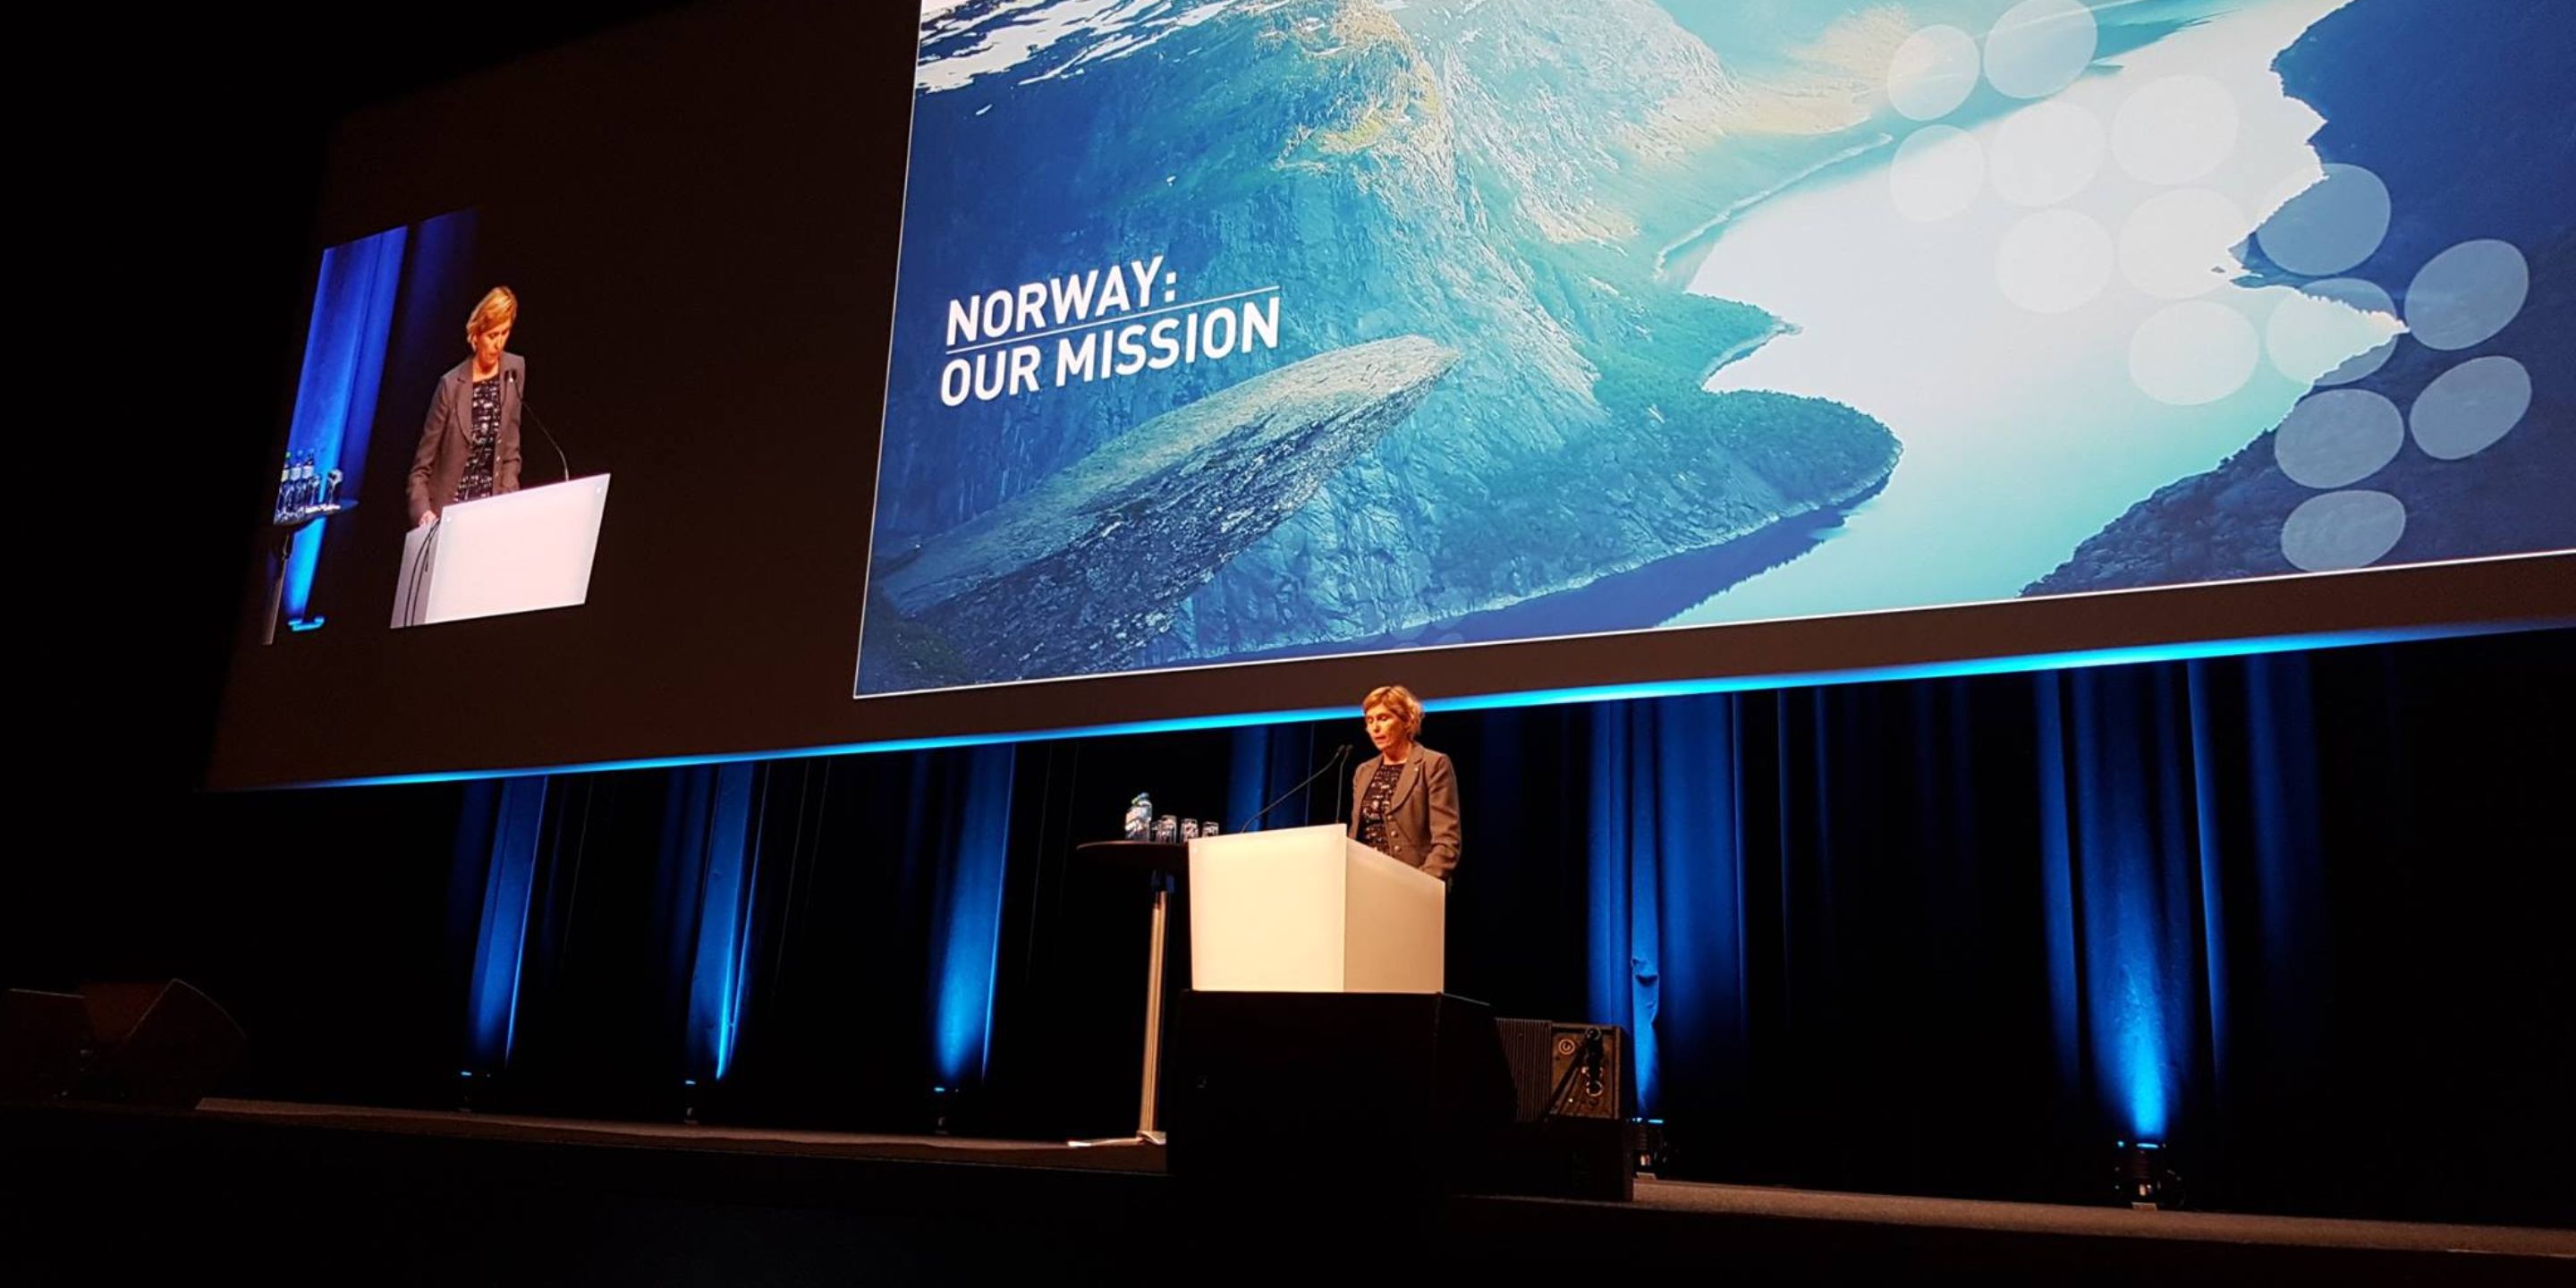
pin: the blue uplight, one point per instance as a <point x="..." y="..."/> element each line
<point x="2147" y="1098"/>
<point x="967" y="939"/>
<point x="516" y="812"/>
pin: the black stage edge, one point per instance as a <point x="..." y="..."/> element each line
<point x="266" y="1192"/>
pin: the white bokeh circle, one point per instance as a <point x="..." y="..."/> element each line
<point x="2332" y="332"/>
<point x="2466" y="294"/>
<point x="1937" y="173"/>
<point x="2039" y="47"/>
<point x="2467" y="408"/>
<point x="2054" y="261"/>
<point x="2338" y="438"/>
<point x="2331" y="225"/>
<point x="2174" y="129"/>
<point x="2182" y="243"/>
<point x="1932" y="73"/>
<point x="2339" y="530"/>
<point x="2193" y="353"/>
<point x="2045" y="153"/>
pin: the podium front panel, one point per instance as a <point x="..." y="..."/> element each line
<point x="1266" y="912"/>
<point x="1397" y="920"/>
<point x="514" y="553"/>
<point x="1308" y="910"/>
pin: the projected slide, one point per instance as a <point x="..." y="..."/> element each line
<point x="1237" y="331"/>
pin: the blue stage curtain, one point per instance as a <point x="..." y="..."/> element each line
<point x="1793" y="904"/>
<point x="1666" y="934"/>
<point x="2296" y="916"/>
<point x="496" y="841"/>
<point x="1963" y="935"/>
<point x="1887" y="839"/>
<point x="1269" y="761"/>
<point x="707" y="867"/>
<point x="830" y="925"/>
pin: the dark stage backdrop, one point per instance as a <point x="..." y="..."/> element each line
<point x="2301" y="917"/>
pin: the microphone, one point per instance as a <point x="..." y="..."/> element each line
<point x="1338" y="757"/>
<point x="531" y="409"/>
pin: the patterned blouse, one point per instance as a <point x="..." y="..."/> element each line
<point x="1377" y="800"/>
<point x="483" y="444"/>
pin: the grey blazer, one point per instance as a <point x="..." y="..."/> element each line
<point x="446" y="438"/>
<point x="1422" y="826"/>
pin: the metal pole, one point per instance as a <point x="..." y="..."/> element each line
<point x="1146" y="1125"/>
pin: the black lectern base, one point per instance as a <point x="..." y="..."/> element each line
<point x="1343" y="1095"/>
<point x="1342" y="1091"/>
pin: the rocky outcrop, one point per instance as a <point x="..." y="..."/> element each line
<point x="1084" y="569"/>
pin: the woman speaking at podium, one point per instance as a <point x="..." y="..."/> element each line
<point x="469" y="447"/>
<point x="1405" y="802"/>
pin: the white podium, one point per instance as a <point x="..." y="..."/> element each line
<point x="513" y="553"/>
<point x="1308" y="910"/>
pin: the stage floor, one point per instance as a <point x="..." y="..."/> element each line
<point x="1105" y="1156"/>
<point x="508" y="1198"/>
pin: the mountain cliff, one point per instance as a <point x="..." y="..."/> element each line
<point x="1085" y="568"/>
<point x="1496" y="178"/>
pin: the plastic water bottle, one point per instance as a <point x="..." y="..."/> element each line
<point x="285" y="486"/>
<point x="1140" y="818"/>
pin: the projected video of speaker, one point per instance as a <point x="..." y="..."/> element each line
<point x="402" y="333"/>
<point x="1230" y="332"/>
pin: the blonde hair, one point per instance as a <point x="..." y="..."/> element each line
<point x="499" y="307"/>
<point x="1398" y="699"/>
